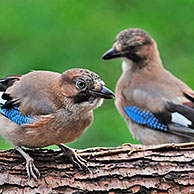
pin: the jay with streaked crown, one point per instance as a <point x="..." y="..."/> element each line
<point x="157" y="106"/>
<point x="45" y="108"/>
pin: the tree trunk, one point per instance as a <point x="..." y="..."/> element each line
<point x="128" y="168"/>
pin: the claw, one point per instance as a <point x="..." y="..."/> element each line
<point x="80" y="158"/>
<point x="31" y="169"/>
<point x="77" y="160"/>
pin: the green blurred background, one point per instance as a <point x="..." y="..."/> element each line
<point x="60" y="34"/>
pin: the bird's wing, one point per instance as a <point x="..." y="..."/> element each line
<point x="158" y="113"/>
<point x="160" y="102"/>
<point x="175" y="119"/>
<point x="181" y="119"/>
<point x="23" y="97"/>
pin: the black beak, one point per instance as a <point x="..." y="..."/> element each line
<point x="103" y="93"/>
<point x="111" y="54"/>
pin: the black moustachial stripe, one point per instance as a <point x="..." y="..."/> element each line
<point x="81" y="97"/>
<point x="134" y="57"/>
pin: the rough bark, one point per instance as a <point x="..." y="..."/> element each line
<point x="125" y="169"/>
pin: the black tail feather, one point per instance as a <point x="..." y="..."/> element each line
<point x="7" y="82"/>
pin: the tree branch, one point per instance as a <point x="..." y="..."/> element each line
<point x="161" y="169"/>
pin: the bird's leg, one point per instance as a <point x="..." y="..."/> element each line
<point x="30" y="167"/>
<point x="76" y="159"/>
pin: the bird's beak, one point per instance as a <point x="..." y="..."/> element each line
<point x="103" y="93"/>
<point x="111" y="54"/>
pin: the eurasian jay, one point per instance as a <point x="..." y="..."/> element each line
<point x="157" y="106"/>
<point x="45" y="108"/>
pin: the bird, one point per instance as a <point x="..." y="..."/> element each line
<point x="157" y="106"/>
<point x="43" y="108"/>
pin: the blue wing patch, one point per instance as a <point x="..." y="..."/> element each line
<point x="144" y="118"/>
<point x="15" y="116"/>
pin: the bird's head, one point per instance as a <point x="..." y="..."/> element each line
<point x="132" y="44"/>
<point x="84" y="88"/>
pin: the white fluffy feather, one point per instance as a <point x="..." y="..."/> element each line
<point x="180" y="119"/>
<point x="126" y="65"/>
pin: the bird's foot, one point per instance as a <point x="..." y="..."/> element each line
<point x="77" y="160"/>
<point x="31" y="169"/>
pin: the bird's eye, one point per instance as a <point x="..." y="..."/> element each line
<point x="132" y="47"/>
<point x="80" y="84"/>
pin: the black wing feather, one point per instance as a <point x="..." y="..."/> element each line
<point x="4" y="84"/>
<point x="7" y="82"/>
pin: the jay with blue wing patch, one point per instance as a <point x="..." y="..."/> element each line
<point x="45" y="108"/>
<point x="157" y="106"/>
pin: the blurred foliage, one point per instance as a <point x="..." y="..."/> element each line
<point x="62" y="34"/>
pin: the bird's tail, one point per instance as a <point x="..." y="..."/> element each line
<point x="7" y="82"/>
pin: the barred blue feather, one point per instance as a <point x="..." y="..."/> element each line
<point x="145" y="118"/>
<point x="15" y="116"/>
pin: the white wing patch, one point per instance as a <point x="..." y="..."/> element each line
<point x="180" y="119"/>
<point x="1" y="100"/>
